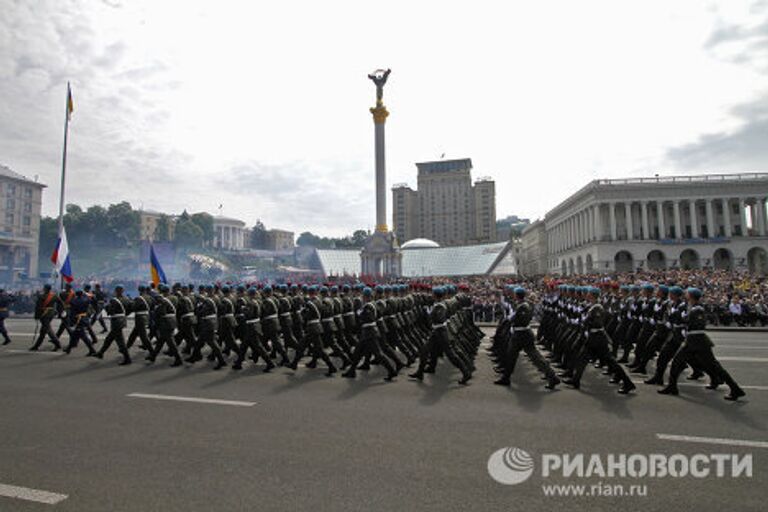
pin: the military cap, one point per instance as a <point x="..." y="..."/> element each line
<point x="694" y="292"/>
<point x="520" y="291"/>
<point x="367" y="291"/>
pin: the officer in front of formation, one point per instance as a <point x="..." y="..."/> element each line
<point x="48" y="303"/>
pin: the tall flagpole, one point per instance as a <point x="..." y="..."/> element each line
<point x="64" y="169"/>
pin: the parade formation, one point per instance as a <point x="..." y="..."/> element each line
<point x="395" y="326"/>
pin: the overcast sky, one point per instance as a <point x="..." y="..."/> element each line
<point x="263" y="106"/>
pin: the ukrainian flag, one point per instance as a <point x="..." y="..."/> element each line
<point x="158" y="276"/>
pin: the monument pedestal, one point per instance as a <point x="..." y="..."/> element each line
<point x="381" y="255"/>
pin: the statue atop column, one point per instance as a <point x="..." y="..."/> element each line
<point x="379" y="78"/>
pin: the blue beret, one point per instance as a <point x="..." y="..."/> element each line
<point x="379" y="288"/>
<point x="252" y="291"/>
<point x="438" y="290"/>
<point x="240" y="288"/>
<point x="634" y="288"/>
<point x="334" y="288"/>
<point x="648" y="287"/>
<point x="594" y="290"/>
<point x="225" y="289"/>
<point x="267" y="288"/>
<point x="694" y="292"/>
<point x="323" y="289"/>
<point x="520" y="291"/>
<point x="367" y="292"/>
<point x="119" y="287"/>
<point x="305" y="287"/>
<point x="664" y="289"/>
<point x="676" y="290"/>
<point x="346" y="288"/>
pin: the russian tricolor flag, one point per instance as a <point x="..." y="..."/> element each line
<point x="60" y="257"/>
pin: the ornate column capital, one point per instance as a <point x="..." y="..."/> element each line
<point x="380" y="114"/>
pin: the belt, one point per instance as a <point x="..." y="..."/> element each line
<point x="437" y="326"/>
<point x="314" y="321"/>
<point x="700" y="331"/>
<point x="228" y="315"/>
<point x="599" y="329"/>
<point x="337" y="316"/>
<point x="185" y="315"/>
<point x="351" y="313"/>
<point x="270" y="317"/>
<point x="119" y="315"/>
<point x="518" y="329"/>
<point x="370" y="324"/>
<point x="141" y="313"/>
<point x="253" y="321"/>
<point x="327" y="319"/>
<point x="208" y="317"/>
<point x="170" y="315"/>
<point x="678" y="326"/>
<point x="285" y="314"/>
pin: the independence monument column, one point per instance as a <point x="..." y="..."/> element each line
<point x="381" y="254"/>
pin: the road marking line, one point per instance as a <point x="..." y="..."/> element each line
<point x="34" y="352"/>
<point x="744" y="359"/>
<point x="192" y="399"/>
<point x="713" y="440"/>
<point x="701" y="384"/>
<point x="25" y="493"/>
<point x="740" y="347"/>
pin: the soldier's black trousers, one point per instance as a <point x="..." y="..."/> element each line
<point x="596" y="346"/>
<point x="46" y="330"/>
<point x="523" y="340"/>
<point x="252" y="340"/>
<point x="439" y="343"/>
<point x="115" y="335"/>
<point x="207" y="336"/>
<point x="3" y="330"/>
<point x="165" y="337"/>
<point x="369" y="346"/>
<point x="140" y="331"/>
<point x="80" y="332"/>
<point x="314" y="343"/>
<point x="701" y="354"/>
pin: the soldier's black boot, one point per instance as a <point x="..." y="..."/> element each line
<point x="220" y="364"/>
<point x="465" y="378"/>
<point x="350" y="374"/>
<point x="552" y="382"/>
<point x="735" y="394"/>
<point x="696" y="375"/>
<point x="418" y="375"/>
<point x="331" y="370"/>
<point x="390" y="376"/>
<point x="270" y="366"/>
<point x="573" y="383"/>
<point x="670" y="389"/>
<point x="626" y="387"/>
<point x="126" y="359"/>
<point x="503" y="381"/>
<point x="657" y="380"/>
<point x="178" y="362"/>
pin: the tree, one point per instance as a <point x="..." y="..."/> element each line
<point x="49" y="233"/>
<point x="307" y="239"/>
<point x="188" y="234"/>
<point x="259" y="235"/>
<point x="124" y="222"/>
<point x="163" y="229"/>
<point x="205" y="222"/>
<point x="359" y="237"/>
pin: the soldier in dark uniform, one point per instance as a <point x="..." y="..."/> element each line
<point x="227" y="322"/>
<point x="207" y="320"/>
<point x="597" y="345"/>
<point x="285" y="312"/>
<point x="117" y="309"/>
<point x="80" y="310"/>
<point x="439" y="340"/>
<point x="165" y="317"/>
<point x="142" y="306"/>
<point x="697" y="347"/>
<point x="659" y="323"/>
<point x="101" y="299"/>
<point x="522" y="339"/>
<point x="65" y="297"/>
<point x="313" y="334"/>
<point x="48" y="303"/>
<point x="270" y="324"/>
<point x="5" y="302"/>
<point x="249" y="309"/>
<point x="368" y="341"/>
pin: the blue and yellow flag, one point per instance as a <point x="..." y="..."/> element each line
<point x="158" y="276"/>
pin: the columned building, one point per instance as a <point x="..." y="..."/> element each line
<point x="687" y="222"/>
<point x="228" y="234"/>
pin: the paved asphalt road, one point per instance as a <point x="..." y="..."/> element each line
<point x="305" y="442"/>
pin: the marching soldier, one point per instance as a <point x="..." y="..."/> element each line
<point x="368" y="342"/>
<point x="165" y="318"/>
<point x="45" y="311"/>
<point x="117" y="309"/>
<point x="142" y="306"/>
<point x="5" y="302"/>
<point x="698" y="347"/>
<point x="80" y="310"/>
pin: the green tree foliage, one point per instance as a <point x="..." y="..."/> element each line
<point x="188" y="234"/>
<point x="205" y="222"/>
<point x="163" y="229"/>
<point x="355" y="241"/>
<point x="259" y="235"/>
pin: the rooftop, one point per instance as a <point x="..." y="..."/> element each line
<point x="439" y="166"/>
<point x="6" y="172"/>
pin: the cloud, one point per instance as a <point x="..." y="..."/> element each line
<point x="744" y="149"/>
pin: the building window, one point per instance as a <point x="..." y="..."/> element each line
<point x="27" y="220"/>
<point x="28" y="207"/>
<point x="11" y="190"/>
<point x="28" y="192"/>
<point x="9" y="218"/>
<point x="10" y="204"/>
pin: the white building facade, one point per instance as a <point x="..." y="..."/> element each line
<point x="687" y="222"/>
<point x="229" y="234"/>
